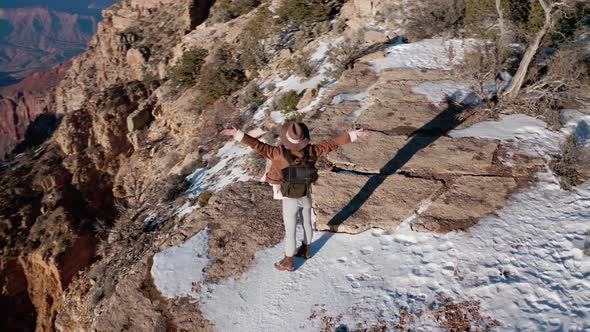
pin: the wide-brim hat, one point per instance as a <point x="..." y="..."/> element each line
<point x="294" y="136"/>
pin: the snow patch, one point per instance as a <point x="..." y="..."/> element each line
<point x="321" y="52"/>
<point x="178" y="269"/>
<point x="424" y="54"/>
<point x="436" y="92"/>
<point x="361" y="97"/>
<point x="228" y="170"/>
<point x="530" y="135"/>
<point x="299" y="84"/>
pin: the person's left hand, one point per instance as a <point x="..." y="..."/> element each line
<point x="361" y="132"/>
<point x="230" y="131"/>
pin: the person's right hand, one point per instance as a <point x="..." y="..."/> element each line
<point x="230" y="131"/>
<point x="361" y="132"/>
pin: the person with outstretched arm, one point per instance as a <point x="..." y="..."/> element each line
<point x="291" y="175"/>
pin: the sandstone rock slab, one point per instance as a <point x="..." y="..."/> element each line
<point x="374" y="37"/>
<point x="468" y="200"/>
<point x="418" y="155"/>
<point x="389" y="200"/>
<point x="399" y="118"/>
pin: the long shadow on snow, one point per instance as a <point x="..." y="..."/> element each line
<point x="439" y="126"/>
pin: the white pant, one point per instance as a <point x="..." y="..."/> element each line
<point x="292" y="207"/>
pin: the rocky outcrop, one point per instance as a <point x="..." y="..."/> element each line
<point x="95" y="141"/>
<point x="135" y="40"/>
<point x="65" y="191"/>
<point x="45" y="231"/>
<point x="243" y="220"/>
<point x="418" y="155"/>
<point x="118" y="292"/>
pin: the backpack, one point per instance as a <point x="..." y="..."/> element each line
<point x="298" y="177"/>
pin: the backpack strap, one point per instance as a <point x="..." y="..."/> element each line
<point x="306" y="154"/>
<point x="291" y="159"/>
<point x="288" y="155"/>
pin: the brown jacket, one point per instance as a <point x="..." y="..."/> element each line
<point x="278" y="159"/>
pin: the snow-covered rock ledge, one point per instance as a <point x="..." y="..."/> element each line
<point x="525" y="265"/>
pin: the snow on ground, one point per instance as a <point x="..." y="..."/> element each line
<point x="299" y="84"/>
<point x="228" y="170"/>
<point x="436" y="92"/>
<point x="424" y="54"/>
<point x="530" y="135"/>
<point x="294" y="83"/>
<point x="177" y="269"/>
<point x="525" y="265"/>
<point x="361" y="97"/>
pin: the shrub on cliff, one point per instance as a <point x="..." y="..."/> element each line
<point x="287" y="105"/>
<point x="258" y="40"/>
<point x="573" y="162"/>
<point x="302" y="65"/>
<point x="292" y="25"/>
<point x="221" y="77"/>
<point x="219" y="82"/>
<point x="225" y="10"/>
<point x="188" y="68"/>
<point x="174" y="187"/>
<point x="305" y="20"/>
<point x="343" y="55"/>
<point x="251" y="98"/>
<point x="304" y="12"/>
<point x="287" y="102"/>
<point x="204" y="198"/>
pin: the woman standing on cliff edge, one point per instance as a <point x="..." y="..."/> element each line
<point x="291" y="174"/>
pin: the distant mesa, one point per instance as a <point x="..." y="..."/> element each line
<point x="34" y="39"/>
<point x="38" y="34"/>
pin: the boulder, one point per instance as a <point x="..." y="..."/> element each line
<point x="308" y="96"/>
<point x="138" y="119"/>
<point x="375" y="37"/>
<point x="136" y="59"/>
<point x="389" y="200"/>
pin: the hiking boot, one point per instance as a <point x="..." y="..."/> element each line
<point x="287" y="264"/>
<point x="304" y="251"/>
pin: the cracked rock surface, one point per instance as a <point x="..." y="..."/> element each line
<point x="408" y="164"/>
<point x="394" y="199"/>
